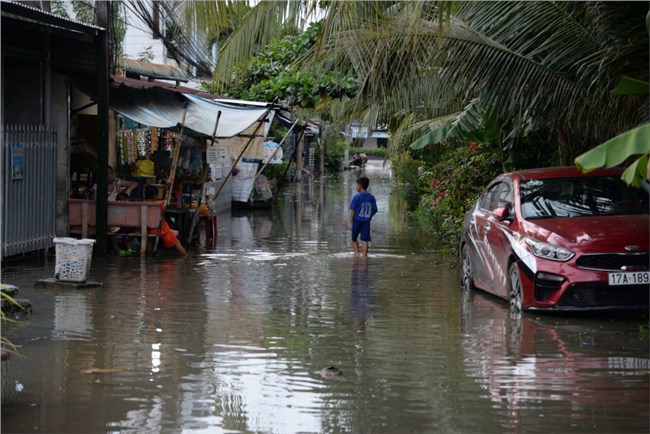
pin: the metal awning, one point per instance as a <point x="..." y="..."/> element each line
<point x="163" y="109"/>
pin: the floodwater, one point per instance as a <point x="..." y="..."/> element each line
<point x="233" y="339"/>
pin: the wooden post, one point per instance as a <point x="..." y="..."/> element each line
<point x="300" y="146"/>
<point x="195" y="217"/>
<point x="103" y="77"/>
<point x="172" y="176"/>
<point x="295" y="150"/>
<point x="177" y="151"/>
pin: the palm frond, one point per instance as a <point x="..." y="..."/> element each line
<point x="538" y="60"/>
<point x="265" y="21"/>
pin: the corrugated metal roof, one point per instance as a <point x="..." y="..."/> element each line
<point x="118" y="82"/>
<point x="30" y="12"/>
<point x="152" y="70"/>
<point x="31" y="35"/>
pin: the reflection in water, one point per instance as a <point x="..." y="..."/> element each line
<point x="570" y="368"/>
<point x="360" y="290"/>
<point x="72" y="317"/>
<point x="233" y="339"/>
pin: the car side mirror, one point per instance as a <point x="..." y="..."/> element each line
<point x="502" y="212"/>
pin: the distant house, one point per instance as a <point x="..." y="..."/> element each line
<point x="362" y="137"/>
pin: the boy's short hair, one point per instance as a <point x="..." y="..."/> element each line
<point x="363" y="182"/>
<point x="122" y="197"/>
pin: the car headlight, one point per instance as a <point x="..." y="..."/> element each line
<point x="549" y="251"/>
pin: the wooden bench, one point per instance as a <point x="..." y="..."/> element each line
<point x="82" y="218"/>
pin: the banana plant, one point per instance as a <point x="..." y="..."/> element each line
<point x="619" y="149"/>
<point x="7" y="299"/>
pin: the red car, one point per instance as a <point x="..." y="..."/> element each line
<point x="556" y="239"/>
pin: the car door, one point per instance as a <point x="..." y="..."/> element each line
<point x="497" y="238"/>
<point x="486" y="270"/>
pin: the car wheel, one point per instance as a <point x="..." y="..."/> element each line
<point x="466" y="273"/>
<point x="515" y="294"/>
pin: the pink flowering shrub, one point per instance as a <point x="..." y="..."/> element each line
<point x="450" y="187"/>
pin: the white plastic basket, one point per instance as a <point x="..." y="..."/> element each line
<point x="72" y="258"/>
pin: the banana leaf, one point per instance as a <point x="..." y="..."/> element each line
<point x="630" y="86"/>
<point x="438" y="133"/>
<point x="636" y="172"/>
<point x="615" y="151"/>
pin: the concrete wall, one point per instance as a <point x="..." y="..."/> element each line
<point x="22" y="89"/>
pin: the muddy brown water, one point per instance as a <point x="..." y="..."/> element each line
<point x="234" y="339"/>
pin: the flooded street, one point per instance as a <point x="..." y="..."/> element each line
<point x="234" y="339"/>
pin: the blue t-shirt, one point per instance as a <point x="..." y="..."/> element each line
<point x="364" y="206"/>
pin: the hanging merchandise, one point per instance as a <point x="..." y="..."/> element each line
<point x="134" y="140"/>
<point x="147" y="152"/>
<point x="154" y="140"/>
<point x="147" y="144"/>
<point x="129" y="155"/>
<point x="120" y="146"/>
<point x="169" y="140"/>
<point x="140" y="137"/>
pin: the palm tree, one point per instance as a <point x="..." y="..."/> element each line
<point x="530" y="66"/>
<point x="541" y="65"/>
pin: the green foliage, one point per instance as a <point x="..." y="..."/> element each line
<point x="9" y="305"/>
<point x="334" y="151"/>
<point x="275" y="172"/>
<point x="119" y="24"/>
<point x="173" y="32"/>
<point x="405" y="168"/>
<point x="374" y="152"/>
<point x="450" y="188"/>
<point x="615" y="151"/>
<point x="405" y="171"/>
<point x="146" y="55"/>
<point x="280" y="54"/>
<point x="58" y="7"/>
<point x="84" y="11"/>
<point x="277" y="74"/>
<point x="643" y="332"/>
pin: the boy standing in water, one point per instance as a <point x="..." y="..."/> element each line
<point x="362" y="208"/>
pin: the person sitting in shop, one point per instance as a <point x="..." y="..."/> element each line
<point x="168" y="235"/>
<point x="116" y="186"/>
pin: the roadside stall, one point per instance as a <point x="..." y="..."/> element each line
<point x="185" y="146"/>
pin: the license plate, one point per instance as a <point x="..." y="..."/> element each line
<point x="629" y="278"/>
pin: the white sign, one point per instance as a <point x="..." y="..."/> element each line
<point x="216" y="155"/>
<point x="272" y="151"/>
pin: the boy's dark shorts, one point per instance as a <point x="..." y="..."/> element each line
<point x="360" y="229"/>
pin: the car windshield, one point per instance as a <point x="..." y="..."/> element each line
<point x="581" y="196"/>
